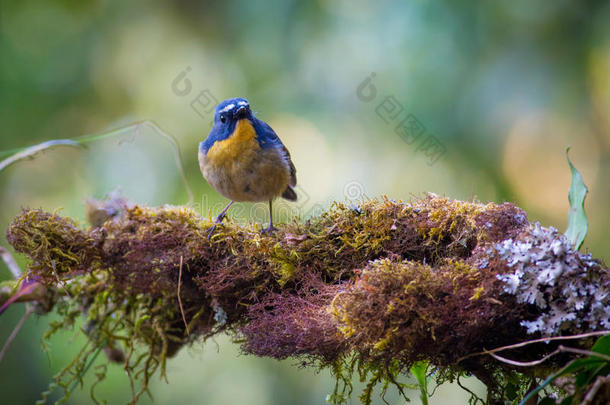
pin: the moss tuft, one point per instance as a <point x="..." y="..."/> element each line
<point x="55" y="244"/>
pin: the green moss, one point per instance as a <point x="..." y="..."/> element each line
<point x="370" y="290"/>
<point x="285" y="264"/>
<point x="55" y="243"/>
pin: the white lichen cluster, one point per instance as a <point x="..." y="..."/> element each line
<point x="570" y="288"/>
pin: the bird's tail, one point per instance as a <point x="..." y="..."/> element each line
<point x="289" y="194"/>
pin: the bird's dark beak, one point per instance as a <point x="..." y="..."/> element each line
<point x="242" y="112"/>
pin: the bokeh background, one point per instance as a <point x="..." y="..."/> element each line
<point x="502" y="88"/>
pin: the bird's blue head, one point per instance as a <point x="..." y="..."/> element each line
<point x="226" y="116"/>
<point x="230" y="111"/>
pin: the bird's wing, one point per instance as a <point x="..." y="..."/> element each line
<point x="267" y="138"/>
<point x="293" y="170"/>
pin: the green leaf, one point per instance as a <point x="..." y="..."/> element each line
<point x="577" y="219"/>
<point x="585" y="363"/>
<point x="419" y="372"/>
<point x="573" y="366"/>
<point x="602" y="345"/>
<point x="512" y="390"/>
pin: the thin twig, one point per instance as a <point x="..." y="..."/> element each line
<point x="26" y="315"/>
<point x="524" y="363"/>
<point x="22" y="153"/>
<point x="583" y="352"/>
<point x="601" y="380"/>
<point x="529" y="342"/>
<point x="560" y="349"/>
<point x="180" y="300"/>
<point x="33" y="150"/>
<point x="177" y="154"/>
<point x="10" y="263"/>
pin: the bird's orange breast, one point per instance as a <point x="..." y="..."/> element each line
<point x="239" y="146"/>
<point x="239" y="169"/>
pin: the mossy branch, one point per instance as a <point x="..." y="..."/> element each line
<point x="373" y="288"/>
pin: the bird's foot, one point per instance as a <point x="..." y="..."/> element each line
<point x="220" y="217"/>
<point x="218" y="220"/>
<point x="211" y="231"/>
<point x="269" y="230"/>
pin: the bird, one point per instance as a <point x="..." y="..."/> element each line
<point x="244" y="160"/>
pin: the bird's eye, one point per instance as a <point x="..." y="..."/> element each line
<point x="223" y="118"/>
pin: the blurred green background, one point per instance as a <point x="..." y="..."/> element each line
<point x="502" y="87"/>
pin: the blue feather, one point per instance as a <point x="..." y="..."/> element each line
<point x="265" y="136"/>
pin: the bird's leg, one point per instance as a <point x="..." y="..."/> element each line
<point x="223" y="213"/>
<point x="269" y="230"/>
<point x="219" y="219"/>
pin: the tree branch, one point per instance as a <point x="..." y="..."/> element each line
<point x="388" y="282"/>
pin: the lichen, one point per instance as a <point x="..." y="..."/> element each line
<point x="571" y="289"/>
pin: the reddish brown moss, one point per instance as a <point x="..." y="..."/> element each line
<point x="392" y="283"/>
<point x="289" y="325"/>
<point x="411" y="311"/>
<point x="242" y="273"/>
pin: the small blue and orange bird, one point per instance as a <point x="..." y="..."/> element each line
<point x="244" y="159"/>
